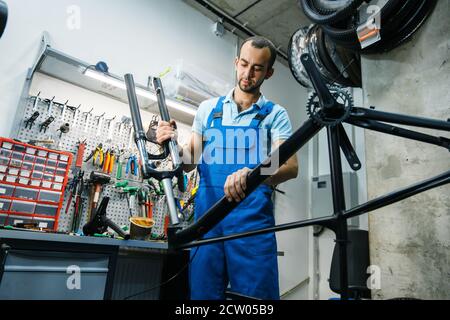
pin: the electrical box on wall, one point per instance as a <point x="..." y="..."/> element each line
<point x="322" y="199"/>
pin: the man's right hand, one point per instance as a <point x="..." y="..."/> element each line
<point x="166" y="131"/>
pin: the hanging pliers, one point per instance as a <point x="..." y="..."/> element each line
<point x="97" y="156"/>
<point x="132" y="165"/>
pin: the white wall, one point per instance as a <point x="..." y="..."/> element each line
<point x="292" y="206"/>
<point x="144" y="37"/>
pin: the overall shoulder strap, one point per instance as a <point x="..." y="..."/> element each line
<point x="216" y="115"/>
<point x="262" y="114"/>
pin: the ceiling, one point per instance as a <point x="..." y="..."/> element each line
<point x="276" y="20"/>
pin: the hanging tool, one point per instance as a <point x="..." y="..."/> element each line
<point x="125" y="121"/>
<point x="81" y="148"/>
<point x="107" y="158"/>
<point x="132" y="192"/>
<point x="44" y="125"/>
<point x="143" y="202"/>
<point x="44" y="142"/>
<point x="100" y="222"/>
<point x="36" y="101"/>
<point x="72" y="186"/>
<point x="78" y="205"/>
<point x="99" y="125"/>
<point x="108" y="164"/>
<point x="130" y="141"/>
<point x="63" y="129"/>
<point x="112" y="160"/>
<point x="132" y="166"/>
<point x="31" y="120"/>
<point x="86" y="122"/>
<point x="158" y="191"/>
<point x="77" y="174"/>
<point x="170" y="147"/>
<point x="75" y="115"/>
<point x="111" y="126"/>
<point x="121" y="184"/>
<point x="97" y="180"/>
<point x="97" y="156"/>
<point x="63" y="112"/>
<point x="50" y="105"/>
<point x="119" y="164"/>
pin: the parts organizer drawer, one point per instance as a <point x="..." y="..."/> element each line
<point x="6" y="190"/>
<point x="46" y="210"/>
<point x="4" y="204"/>
<point x="23" y="207"/>
<point x="26" y="193"/>
<point x="28" y="174"/>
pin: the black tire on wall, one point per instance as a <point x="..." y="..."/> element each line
<point x="3" y="16"/>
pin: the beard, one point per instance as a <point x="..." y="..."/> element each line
<point x="250" y="88"/>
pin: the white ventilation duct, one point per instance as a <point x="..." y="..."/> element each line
<point x="191" y="84"/>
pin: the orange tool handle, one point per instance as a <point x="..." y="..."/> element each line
<point x="106" y="162"/>
<point x="110" y="167"/>
<point x="80" y="155"/>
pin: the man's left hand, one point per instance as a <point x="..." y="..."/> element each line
<point x="236" y="185"/>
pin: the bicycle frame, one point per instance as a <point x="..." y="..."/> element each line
<point x="337" y="140"/>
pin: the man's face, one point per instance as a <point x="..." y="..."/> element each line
<point x="252" y="68"/>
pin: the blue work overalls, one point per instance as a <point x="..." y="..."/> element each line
<point x="249" y="264"/>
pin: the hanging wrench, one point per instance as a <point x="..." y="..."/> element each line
<point x="99" y="125"/>
<point x="86" y="121"/>
<point x="50" y="106"/>
<point x="111" y="126"/>
<point x="130" y="142"/>
<point x="75" y="115"/>
<point x="63" y="113"/>
<point x="36" y="101"/>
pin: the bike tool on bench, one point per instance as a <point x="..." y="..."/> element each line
<point x="169" y="148"/>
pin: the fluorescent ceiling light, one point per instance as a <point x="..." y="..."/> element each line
<point x="181" y="107"/>
<point x="141" y="92"/>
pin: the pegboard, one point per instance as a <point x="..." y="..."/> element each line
<point x="95" y="129"/>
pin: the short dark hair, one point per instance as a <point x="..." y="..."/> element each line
<point x="260" y="43"/>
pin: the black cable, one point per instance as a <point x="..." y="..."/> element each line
<point x="165" y="282"/>
<point x="352" y="59"/>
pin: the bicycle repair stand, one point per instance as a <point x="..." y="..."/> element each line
<point x="327" y="113"/>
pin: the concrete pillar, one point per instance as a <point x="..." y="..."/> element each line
<point x="410" y="240"/>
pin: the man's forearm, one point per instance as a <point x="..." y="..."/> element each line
<point x="284" y="173"/>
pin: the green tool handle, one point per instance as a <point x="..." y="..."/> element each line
<point x="119" y="171"/>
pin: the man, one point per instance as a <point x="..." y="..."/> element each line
<point x="229" y="134"/>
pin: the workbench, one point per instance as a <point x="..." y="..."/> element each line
<point x="37" y="265"/>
